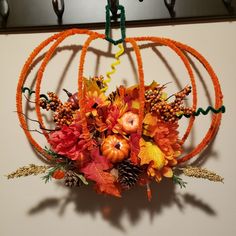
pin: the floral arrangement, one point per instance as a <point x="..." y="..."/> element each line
<point x="116" y="157"/>
<point x="119" y="140"/>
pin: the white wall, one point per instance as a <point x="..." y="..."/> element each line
<point x="29" y="207"/>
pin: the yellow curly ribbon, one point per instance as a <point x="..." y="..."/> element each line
<point x="113" y="67"/>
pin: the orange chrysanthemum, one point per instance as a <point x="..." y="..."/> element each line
<point x="165" y="135"/>
<point x="116" y="111"/>
<point x="95" y="100"/>
<point x="166" y="141"/>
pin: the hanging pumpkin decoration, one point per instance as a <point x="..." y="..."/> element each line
<point x="96" y="133"/>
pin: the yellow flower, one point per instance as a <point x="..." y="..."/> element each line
<point x="158" y="163"/>
<point x="151" y="153"/>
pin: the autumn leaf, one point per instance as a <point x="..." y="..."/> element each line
<point x="150" y="119"/>
<point x="167" y="172"/>
<point x="150" y="153"/>
<point x="101" y="162"/>
<point x="135" y="105"/>
<point x="96" y="171"/>
<point x="150" y="123"/>
<point x="109" y="186"/>
<point x="105" y="182"/>
<point x="153" y="85"/>
<point x="92" y="86"/>
<point x="134" y="145"/>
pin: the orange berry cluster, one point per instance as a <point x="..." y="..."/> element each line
<point x="168" y="112"/>
<point x="52" y="103"/>
<point x="153" y="96"/>
<point x="184" y="92"/>
<point x="63" y="113"/>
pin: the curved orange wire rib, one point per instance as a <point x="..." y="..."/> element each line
<point x="81" y="91"/>
<point x="216" y="118"/>
<point x="47" y="58"/>
<point x="218" y="98"/>
<point x="177" y="47"/>
<point x="186" y="62"/>
<point x="20" y="84"/>
<point x="39" y="78"/>
<point x="135" y="46"/>
<point x="23" y="76"/>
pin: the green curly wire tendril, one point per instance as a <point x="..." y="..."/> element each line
<point x="30" y="92"/>
<point x="200" y="111"/>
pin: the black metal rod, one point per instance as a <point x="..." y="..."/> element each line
<point x="170" y="4"/>
<point x="228" y="2"/>
<point x="38" y="15"/>
<point x="114" y="9"/>
<point x="59" y="7"/>
<point x="4" y="9"/>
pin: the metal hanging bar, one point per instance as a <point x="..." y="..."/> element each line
<point x="35" y="15"/>
<point x="228" y="2"/>
<point x="114" y="8"/>
<point x="59" y="7"/>
<point x="170" y="4"/>
<point x="4" y="9"/>
<point x="229" y="6"/>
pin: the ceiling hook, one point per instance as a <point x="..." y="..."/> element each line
<point x="229" y="6"/>
<point x="59" y="7"/>
<point x="170" y="4"/>
<point x="114" y="9"/>
<point x="4" y="9"/>
<point x="227" y="2"/>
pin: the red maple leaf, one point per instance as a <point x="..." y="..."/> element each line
<point x="134" y="146"/>
<point x="108" y="185"/>
<point x="102" y="162"/>
<point x="95" y="170"/>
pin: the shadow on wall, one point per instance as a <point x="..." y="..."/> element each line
<point x="133" y="203"/>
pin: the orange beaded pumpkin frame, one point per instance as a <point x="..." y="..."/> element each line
<point x="177" y="47"/>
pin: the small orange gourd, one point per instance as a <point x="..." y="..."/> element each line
<point x="115" y="148"/>
<point x="58" y="174"/>
<point x="130" y="122"/>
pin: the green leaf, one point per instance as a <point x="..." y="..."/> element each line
<point x="82" y="178"/>
<point x="58" y="159"/>
<point x="48" y="176"/>
<point x="179" y="181"/>
<point x="54" y="154"/>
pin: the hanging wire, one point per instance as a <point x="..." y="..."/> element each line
<point x="113" y="66"/>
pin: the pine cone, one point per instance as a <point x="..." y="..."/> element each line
<point x="72" y="180"/>
<point x="128" y="174"/>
